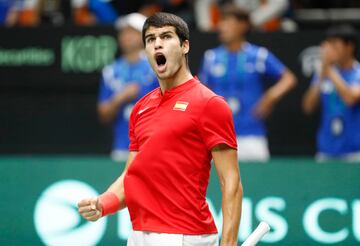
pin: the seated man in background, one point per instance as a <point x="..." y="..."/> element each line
<point x="237" y="70"/>
<point x="124" y="81"/>
<point x="337" y="86"/>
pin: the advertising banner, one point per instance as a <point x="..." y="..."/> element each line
<point x="305" y="203"/>
<point x="49" y="78"/>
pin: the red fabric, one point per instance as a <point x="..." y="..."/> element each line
<point x="109" y="202"/>
<point x="165" y="186"/>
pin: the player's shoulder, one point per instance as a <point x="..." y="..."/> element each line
<point x="204" y="93"/>
<point x="211" y="101"/>
<point x="111" y="67"/>
<point x="357" y="68"/>
<point x="212" y="53"/>
<point x="356" y="72"/>
<point x="255" y="50"/>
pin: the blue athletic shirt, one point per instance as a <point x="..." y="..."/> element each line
<point x="339" y="131"/>
<point x="239" y="77"/>
<point x="114" y="78"/>
<point x="6" y="5"/>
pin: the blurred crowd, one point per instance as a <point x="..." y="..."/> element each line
<point x="265" y="15"/>
<point x="238" y="70"/>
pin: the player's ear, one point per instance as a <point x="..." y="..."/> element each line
<point x="185" y="46"/>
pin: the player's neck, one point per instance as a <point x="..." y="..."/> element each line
<point x="180" y="77"/>
<point x="133" y="56"/>
<point x="235" y="45"/>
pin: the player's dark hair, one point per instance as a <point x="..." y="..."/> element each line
<point x="231" y="9"/>
<point x="345" y="32"/>
<point x="162" y="19"/>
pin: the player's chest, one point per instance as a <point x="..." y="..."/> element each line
<point x="167" y="119"/>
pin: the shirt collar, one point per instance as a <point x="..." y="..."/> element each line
<point x="180" y="88"/>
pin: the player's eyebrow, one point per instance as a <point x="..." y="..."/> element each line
<point x="166" y="32"/>
<point x="149" y="35"/>
<point x="161" y="34"/>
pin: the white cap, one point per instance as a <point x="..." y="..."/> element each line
<point x="78" y="3"/>
<point x="134" y="20"/>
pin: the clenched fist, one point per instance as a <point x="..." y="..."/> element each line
<point x="90" y="209"/>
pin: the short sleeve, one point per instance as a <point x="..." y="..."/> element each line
<point x="314" y="80"/>
<point x="104" y="91"/>
<point x="216" y="124"/>
<point x="204" y="71"/>
<point x="356" y="80"/>
<point x="133" y="146"/>
<point x="274" y="68"/>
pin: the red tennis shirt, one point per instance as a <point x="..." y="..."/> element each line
<point x="165" y="185"/>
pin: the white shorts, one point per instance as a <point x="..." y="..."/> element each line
<point x="119" y="155"/>
<point x="350" y="158"/>
<point x="140" y="238"/>
<point x="253" y="148"/>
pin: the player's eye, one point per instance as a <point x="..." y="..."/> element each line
<point x="150" y="40"/>
<point x="166" y="36"/>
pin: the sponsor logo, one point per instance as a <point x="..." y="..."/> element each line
<point x="57" y="220"/>
<point x="30" y="56"/>
<point x="327" y="220"/>
<point x="143" y="110"/>
<point x="310" y="60"/>
<point x="87" y="54"/>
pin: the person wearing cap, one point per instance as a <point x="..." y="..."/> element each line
<point x="239" y="70"/>
<point x="124" y="81"/>
<point x="337" y="87"/>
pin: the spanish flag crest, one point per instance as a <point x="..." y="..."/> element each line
<point x="180" y="105"/>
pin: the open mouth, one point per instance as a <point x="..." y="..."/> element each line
<point x="160" y="60"/>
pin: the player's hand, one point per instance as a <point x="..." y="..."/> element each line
<point x="265" y="106"/>
<point x="328" y="57"/>
<point x="90" y="209"/>
<point x="131" y="91"/>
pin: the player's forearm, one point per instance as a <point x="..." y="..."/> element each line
<point x="349" y="96"/>
<point x="108" y="110"/>
<point x="311" y="99"/>
<point x="118" y="189"/>
<point x="286" y="83"/>
<point x="231" y="208"/>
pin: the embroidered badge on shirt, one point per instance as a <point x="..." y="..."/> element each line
<point x="179" y="105"/>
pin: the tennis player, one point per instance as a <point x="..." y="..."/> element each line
<point x="124" y="82"/>
<point x="175" y="131"/>
<point x="337" y="87"/>
<point x="240" y="71"/>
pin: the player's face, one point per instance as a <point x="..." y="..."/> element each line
<point x="164" y="51"/>
<point x="341" y="49"/>
<point x="231" y="29"/>
<point x="130" y="40"/>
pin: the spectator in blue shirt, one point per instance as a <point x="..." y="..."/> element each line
<point x="124" y="81"/>
<point x="9" y="11"/>
<point x="237" y="70"/>
<point x="337" y="87"/>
